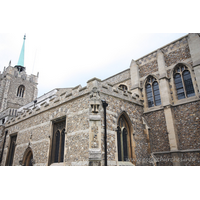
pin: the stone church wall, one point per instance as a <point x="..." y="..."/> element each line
<point x="33" y="129"/>
<point x="115" y="108"/>
<point x="28" y="94"/>
<point x="187" y="120"/>
<point x="170" y="130"/>
<point x="158" y="131"/>
<point x="120" y="77"/>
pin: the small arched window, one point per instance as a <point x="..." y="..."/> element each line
<point x="29" y="159"/>
<point x="20" y="91"/>
<point x="123" y="139"/>
<point x="183" y="82"/>
<point x="58" y="146"/>
<point x="153" y="93"/>
<point x="123" y="87"/>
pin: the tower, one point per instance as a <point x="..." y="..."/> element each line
<point x="17" y="88"/>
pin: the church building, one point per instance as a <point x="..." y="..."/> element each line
<point x="146" y="115"/>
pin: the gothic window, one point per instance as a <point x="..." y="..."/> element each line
<point x="29" y="159"/>
<point x="123" y="139"/>
<point x="152" y="92"/>
<point x="183" y="82"/>
<point x="58" y="143"/>
<point x="123" y="87"/>
<point x="11" y="150"/>
<point x="20" y="91"/>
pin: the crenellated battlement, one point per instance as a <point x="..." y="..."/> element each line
<point x="12" y="72"/>
<point x="54" y="98"/>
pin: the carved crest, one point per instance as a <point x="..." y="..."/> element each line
<point x="95" y="100"/>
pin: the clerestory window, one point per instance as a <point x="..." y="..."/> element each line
<point x="183" y="82"/>
<point x="152" y="92"/>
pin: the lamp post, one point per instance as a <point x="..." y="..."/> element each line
<point x="105" y="129"/>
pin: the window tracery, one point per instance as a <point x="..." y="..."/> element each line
<point x="11" y="153"/>
<point x="58" y="142"/>
<point x="122" y="139"/>
<point x="183" y="82"/>
<point x="20" y="91"/>
<point x="152" y="92"/>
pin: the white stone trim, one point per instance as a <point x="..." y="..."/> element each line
<point x="33" y="127"/>
<point x="72" y="114"/>
<point x="78" y="132"/>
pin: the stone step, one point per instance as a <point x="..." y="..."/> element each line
<point x="122" y="163"/>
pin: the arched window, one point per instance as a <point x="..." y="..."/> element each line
<point x="13" y="140"/>
<point x="123" y="87"/>
<point x="123" y="140"/>
<point x="58" y="143"/>
<point x="152" y="92"/>
<point x="20" y="91"/>
<point x="183" y="82"/>
<point x="29" y="159"/>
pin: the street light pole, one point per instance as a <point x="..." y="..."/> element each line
<point x="105" y="130"/>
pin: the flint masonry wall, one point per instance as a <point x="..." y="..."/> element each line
<point x="119" y="102"/>
<point x="33" y="129"/>
<point x="122" y="77"/>
<point x="158" y="131"/>
<point x="187" y="120"/>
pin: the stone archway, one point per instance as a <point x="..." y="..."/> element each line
<point x="125" y="140"/>
<point x="28" y="157"/>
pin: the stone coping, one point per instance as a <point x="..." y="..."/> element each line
<point x="93" y="79"/>
<point x="60" y="100"/>
<point x="161" y="47"/>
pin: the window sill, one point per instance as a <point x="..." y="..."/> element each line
<point x="57" y="164"/>
<point x="152" y="109"/>
<point x="186" y="100"/>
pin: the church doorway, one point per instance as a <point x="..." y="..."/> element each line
<point x="123" y="139"/>
<point x="28" y="158"/>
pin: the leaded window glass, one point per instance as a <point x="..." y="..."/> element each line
<point x="58" y="142"/>
<point x="152" y="92"/>
<point x="183" y="82"/>
<point x="122" y="139"/>
<point x="11" y="150"/>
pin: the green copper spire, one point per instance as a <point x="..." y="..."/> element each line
<point x="21" y="57"/>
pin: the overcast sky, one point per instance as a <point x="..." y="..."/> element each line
<point x="70" y="42"/>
